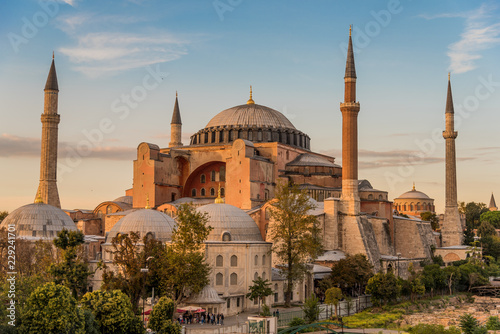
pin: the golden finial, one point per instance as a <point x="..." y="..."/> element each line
<point x="413" y="186"/>
<point x="219" y="199"/>
<point x="147" y="202"/>
<point x="38" y="198"/>
<point x="250" y="101"/>
<point x="350" y="30"/>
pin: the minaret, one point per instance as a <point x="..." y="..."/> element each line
<point x="176" y="126"/>
<point x="493" y="204"/>
<point x="350" y="110"/>
<point x="47" y="189"/>
<point x="451" y="229"/>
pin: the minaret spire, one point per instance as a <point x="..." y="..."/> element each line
<point x="47" y="188"/>
<point x="176" y="125"/>
<point x="493" y="204"/>
<point x="451" y="229"/>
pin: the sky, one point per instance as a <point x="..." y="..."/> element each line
<point x="120" y="63"/>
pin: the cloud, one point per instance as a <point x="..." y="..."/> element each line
<point x="15" y="146"/>
<point x="480" y="33"/>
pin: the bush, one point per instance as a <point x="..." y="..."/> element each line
<point x="296" y="321"/>
<point x="432" y="329"/>
<point x="468" y="323"/>
<point x="367" y="319"/>
<point x="311" y="309"/>
<point x="493" y="323"/>
<point x="163" y="311"/>
<point x="266" y="312"/>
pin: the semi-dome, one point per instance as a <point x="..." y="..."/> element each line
<point x="230" y="223"/>
<point x="124" y="199"/>
<point x="38" y="220"/>
<point x="253" y="122"/>
<point x="146" y="222"/>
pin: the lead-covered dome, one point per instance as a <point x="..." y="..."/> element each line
<point x="230" y="223"/>
<point x="253" y="122"/>
<point x="147" y="222"/>
<point x="38" y="220"/>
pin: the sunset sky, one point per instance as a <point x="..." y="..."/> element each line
<point x="123" y="61"/>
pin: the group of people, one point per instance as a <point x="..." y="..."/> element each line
<point x="210" y="318"/>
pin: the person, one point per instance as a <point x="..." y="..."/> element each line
<point x="222" y="319"/>
<point x="218" y="318"/>
<point x="202" y="319"/>
<point x="277" y="313"/>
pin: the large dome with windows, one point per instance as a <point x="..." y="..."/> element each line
<point x="230" y="223"/>
<point x="39" y="221"/>
<point x="146" y="222"/>
<point x="253" y="122"/>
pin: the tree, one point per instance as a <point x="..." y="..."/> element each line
<point x="452" y="275"/>
<point x="259" y="290"/>
<point x="433" y="329"/>
<point x="383" y="288"/>
<point x="491" y="246"/>
<point x="113" y="312"/>
<point x="73" y="271"/>
<point x="295" y="234"/>
<point x="472" y="211"/>
<point x="469" y="234"/>
<point x="468" y="323"/>
<point x="311" y="309"/>
<point x="486" y="229"/>
<point x="51" y="309"/>
<point x="433" y="278"/>
<point x="3" y="214"/>
<point x="492" y="217"/>
<point x="333" y="297"/>
<point x="431" y="218"/>
<point x="162" y="315"/>
<point x="350" y="274"/>
<point x="493" y="323"/>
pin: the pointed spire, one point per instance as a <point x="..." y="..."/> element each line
<point x="449" y="98"/>
<point x="176" y="116"/>
<point x="52" y="78"/>
<point x="350" y="70"/>
<point x="493" y="204"/>
<point x="250" y="100"/>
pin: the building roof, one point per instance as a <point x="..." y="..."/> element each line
<point x="39" y="220"/>
<point x="144" y="221"/>
<point x="124" y="199"/>
<point x="350" y="69"/>
<point x="449" y="98"/>
<point x="226" y="218"/>
<point x="331" y="256"/>
<point x="413" y="194"/>
<point x="251" y="115"/>
<point x="307" y="159"/>
<point x="493" y="204"/>
<point x="176" y="115"/>
<point x="208" y="295"/>
<point x="51" y="83"/>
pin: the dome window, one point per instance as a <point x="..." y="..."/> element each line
<point x="226" y="236"/>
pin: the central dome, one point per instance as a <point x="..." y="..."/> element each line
<point x="251" y="115"/>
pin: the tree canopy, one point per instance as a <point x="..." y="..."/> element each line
<point x="492" y="217"/>
<point x="295" y="233"/>
<point x="431" y="218"/>
<point x="472" y="211"/>
<point x="259" y="290"/>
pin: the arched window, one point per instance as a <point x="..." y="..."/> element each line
<point x="212" y="192"/>
<point x="234" y="261"/>
<point x="219" y="261"/>
<point x="256" y="262"/>
<point x="275" y="287"/>
<point x="222" y="191"/>
<point x="233" y="279"/>
<point x="212" y="175"/>
<point x="263" y="260"/>
<point x="202" y="192"/>
<point x="255" y="276"/>
<point x="109" y="209"/>
<point x="418" y="206"/>
<point x="370" y="197"/>
<point x="193" y="192"/>
<point x="226" y="236"/>
<point x="411" y="206"/>
<point x="203" y="178"/>
<point x="222" y="173"/>
<point x="218" y="279"/>
<point x="404" y="206"/>
<point x="380" y="197"/>
<point x="264" y="275"/>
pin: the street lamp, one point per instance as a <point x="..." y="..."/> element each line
<point x="399" y="256"/>
<point x="145" y="271"/>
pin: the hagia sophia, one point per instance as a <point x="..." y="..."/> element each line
<point x="230" y="170"/>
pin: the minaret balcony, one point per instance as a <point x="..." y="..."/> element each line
<point x="450" y="134"/>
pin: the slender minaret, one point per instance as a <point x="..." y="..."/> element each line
<point x="176" y="126"/>
<point x="451" y="229"/>
<point x="350" y="110"/>
<point x="47" y="189"/>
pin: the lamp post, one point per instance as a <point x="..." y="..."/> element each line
<point x="145" y="271"/>
<point x="399" y="255"/>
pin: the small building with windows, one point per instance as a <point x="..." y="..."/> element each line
<point x="413" y="203"/>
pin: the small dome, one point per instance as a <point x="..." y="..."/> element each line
<point x="230" y="223"/>
<point x="39" y="220"/>
<point x="208" y="295"/>
<point x="124" y="199"/>
<point x="413" y="194"/>
<point x="252" y="115"/>
<point x="144" y="221"/>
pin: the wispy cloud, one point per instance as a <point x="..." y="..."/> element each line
<point x="15" y="146"/>
<point x="481" y="32"/>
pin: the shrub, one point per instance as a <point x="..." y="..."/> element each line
<point x="432" y="329"/>
<point x="266" y="312"/>
<point x="493" y="323"/>
<point x="163" y="311"/>
<point x="468" y="323"/>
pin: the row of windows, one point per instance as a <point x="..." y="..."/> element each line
<point x="204" y="193"/>
<point x="222" y="175"/>
<point x="417" y="207"/>
<point x="380" y="197"/>
<point x="233" y="278"/>
<point x="219" y="260"/>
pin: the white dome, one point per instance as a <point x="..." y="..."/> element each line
<point x="144" y="221"/>
<point x="39" y="220"/>
<point x="229" y="220"/>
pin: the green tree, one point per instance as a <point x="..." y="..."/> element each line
<point x="73" y="271"/>
<point x="468" y="323"/>
<point x="91" y="325"/>
<point x="3" y="214"/>
<point x="259" y="290"/>
<point x="162" y="315"/>
<point x="434" y="279"/>
<point x="113" y="312"/>
<point x="486" y="229"/>
<point x="295" y="234"/>
<point x="51" y="309"/>
<point x="351" y="274"/>
<point x="431" y="218"/>
<point x="311" y="309"/>
<point x="333" y="297"/>
<point x="383" y="288"/>
<point x="469" y="234"/>
<point x="452" y="275"/>
<point x="493" y="323"/>
<point x="491" y="246"/>
<point x="492" y="217"/>
<point x="472" y="211"/>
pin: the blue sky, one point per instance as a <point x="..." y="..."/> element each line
<point x="291" y="52"/>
